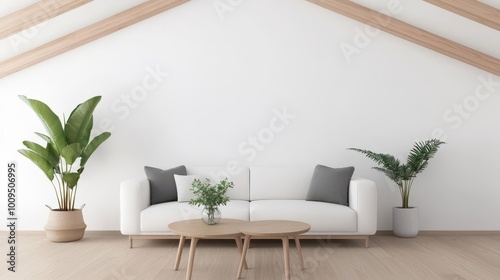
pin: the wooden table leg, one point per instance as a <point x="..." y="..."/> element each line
<point x="179" y="252"/>
<point x="240" y="249"/>
<point x="192" y="250"/>
<point x="299" y="250"/>
<point x="286" y="258"/>
<point x="244" y="255"/>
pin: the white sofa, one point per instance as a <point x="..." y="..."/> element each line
<point x="259" y="193"/>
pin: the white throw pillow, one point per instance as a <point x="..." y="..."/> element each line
<point x="184" y="184"/>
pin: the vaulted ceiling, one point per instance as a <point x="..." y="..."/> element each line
<point x="474" y="10"/>
<point x="46" y="9"/>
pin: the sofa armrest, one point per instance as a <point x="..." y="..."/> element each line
<point x="134" y="197"/>
<point x="363" y="200"/>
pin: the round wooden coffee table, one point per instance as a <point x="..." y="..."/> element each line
<point x="197" y="229"/>
<point x="274" y="228"/>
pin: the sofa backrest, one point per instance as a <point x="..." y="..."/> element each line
<point x="239" y="177"/>
<point x="279" y="182"/>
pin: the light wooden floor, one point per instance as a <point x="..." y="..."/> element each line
<point x="108" y="257"/>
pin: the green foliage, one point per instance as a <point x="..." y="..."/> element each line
<point x="403" y="174"/>
<point x="210" y="196"/>
<point x="64" y="146"/>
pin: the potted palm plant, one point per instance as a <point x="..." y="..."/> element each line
<point x="405" y="218"/>
<point x="210" y="197"/>
<point x="62" y="159"/>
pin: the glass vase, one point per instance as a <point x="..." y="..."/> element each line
<point x="210" y="215"/>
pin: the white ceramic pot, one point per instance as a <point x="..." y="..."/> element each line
<point x="405" y="221"/>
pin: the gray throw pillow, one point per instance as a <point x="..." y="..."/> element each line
<point x="330" y="184"/>
<point x="162" y="183"/>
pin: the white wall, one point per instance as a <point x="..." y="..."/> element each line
<point x="226" y="79"/>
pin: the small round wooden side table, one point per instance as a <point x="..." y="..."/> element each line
<point x="196" y="229"/>
<point x="270" y="229"/>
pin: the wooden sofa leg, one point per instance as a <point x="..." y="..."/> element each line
<point x="130" y="241"/>
<point x="367" y="241"/>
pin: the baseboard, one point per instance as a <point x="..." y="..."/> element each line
<point x="103" y="233"/>
<point x="447" y="233"/>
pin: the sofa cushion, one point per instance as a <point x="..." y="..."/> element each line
<point x="330" y="184"/>
<point x="156" y="218"/>
<point x="184" y="184"/>
<point x="162" y="183"/>
<point x="322" y="216"/>
<point x="280" y="182"/>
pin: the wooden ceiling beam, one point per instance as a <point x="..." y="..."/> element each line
<point x="36" y="14"/>
<point x="86" y="35"/>
<point x="412" y="34"/>
<point x="471" y="9"/>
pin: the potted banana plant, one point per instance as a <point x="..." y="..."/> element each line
<point x="68" y="147"/>
<point x="405" y="218"/>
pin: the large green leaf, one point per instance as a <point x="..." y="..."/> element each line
<point x="71" y="178"/>
<point x="71" y="152"/>
<point x="50" y="120"/>
<point x="92" y="146"/>
<point x="48" y="153"/>
<point x="38" y="149"/>
<point x="54" y="157"/>
<point x="39" y="161"/>
<point x="44" y="137"/>
<point x="86" y="134"/>
<point x="79" y="120"/>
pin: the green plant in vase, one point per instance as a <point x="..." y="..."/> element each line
<point x="210" y="197"/>
<point x="405" y="219"/>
